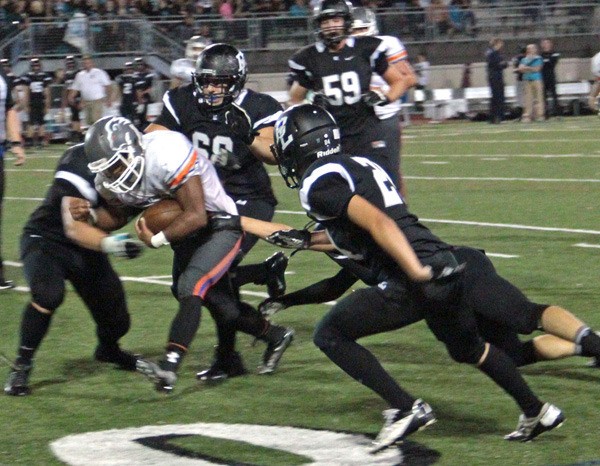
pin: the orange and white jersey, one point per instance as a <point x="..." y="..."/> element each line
<point x="595" y="66"/>
<point x="395" y="52"/>
<point x="170" y="161"/>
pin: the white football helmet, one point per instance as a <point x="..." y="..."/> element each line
<point x="364" y="22"/>
<point x="194" y="46"/>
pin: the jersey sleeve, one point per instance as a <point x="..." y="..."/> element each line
<point x="168" y="115"/>
<point x="327" y="191"/>
<point x="265" y="113"/>
<point x="299" y="70"/>
<point x="379" y="59"/>
<point x="182" y="162"/>
<point x="394" y="49"/>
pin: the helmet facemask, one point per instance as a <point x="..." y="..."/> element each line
<point x="123" y="168"/>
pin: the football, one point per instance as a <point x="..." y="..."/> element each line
<point x="160" y="215"/>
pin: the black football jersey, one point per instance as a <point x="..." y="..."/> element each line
<point x="126" y="83"/>
<point x="343" y="77"/>
<point x="242" y="174"/>
<point x="71" y="178"/>
<point x="69" y="77"/>
<point x="325" y="192"/>
<point x="37" y="83"/>
<point x="13" y="80"/>
<point x="143" y="80"/>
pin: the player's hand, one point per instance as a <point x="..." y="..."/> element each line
<point x="80" y="209"/>
<point x="122" y="245"/>
<point x="374" y="98"/>
<point x="239" y="124"/>
<point x="143" y="232"/>
<point x="270" y="307"/>
<point x="291" y="239"/>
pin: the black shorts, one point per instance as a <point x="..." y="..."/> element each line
<point x="48" y="264"/>
<point x="75" y="113"/>
<point x="37" y="112"/>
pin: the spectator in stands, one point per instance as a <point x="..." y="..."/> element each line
<point x="550" y="58"/>
<point x="186" y="29"/>
<point x="438" y="18"/>
<point x="95" y="88"/>
<point x="531" y="67"/>
<point x="519" y="86"/>
<point x="299" y="9"/>
<point x="496" y="64"/>
<point x="226" y="9"/>
<point x="415" y="15"/>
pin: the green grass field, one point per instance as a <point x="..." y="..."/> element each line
<point x="528" y="194"/>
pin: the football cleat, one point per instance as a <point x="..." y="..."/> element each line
<point x="223" y="368"/>
<point x="528" y="428"/>
<point x="124" y="359"/>
<point x="6" y="284"/>
<point x="595" y="362"/>
<point x="398" y="425"/>
<point x="276" y="265"/>
<point x="275" y="350"/>
<point x="18" y="380"/>
<point x="163" y="380"/>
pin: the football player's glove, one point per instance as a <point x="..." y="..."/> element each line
<point x="122" y="245"/>
<point x="444" y="283"/>
<point x="374" y="98"/>
<point x="240" y="124"/>
<point x="270" y="307"/>
<point x="291" y="239"/>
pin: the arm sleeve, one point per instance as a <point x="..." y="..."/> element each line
<point x="326" y="290"/>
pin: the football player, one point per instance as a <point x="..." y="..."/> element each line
<point x="136" y="171"/>
<point x="364" y="23"/>
<point x="69" y="76"/>
<point x="182" y="69"/>
<point x="144" y="81"/>
<point x="338" y="69"/>
<point x="50" y="259"/>
<point x="595" y="90"/>
<point x="233" y="128"/>
<point x="417" y="273"/>
<point x="126" y="83"/>
<point x="38" y="83"/>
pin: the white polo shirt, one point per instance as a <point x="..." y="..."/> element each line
<point x="91" y="84"/>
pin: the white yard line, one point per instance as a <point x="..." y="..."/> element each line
<point x="498" y="178"/>
<point x="587" y="245"/>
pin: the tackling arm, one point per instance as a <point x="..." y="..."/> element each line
<point x="401" y="77"/>
<point x="388" y="236"/>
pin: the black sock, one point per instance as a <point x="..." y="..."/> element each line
<point x="251" y="321"/>
<point x="186" y="322"/>
<point x="502" y="370"/>
<point x="360" y="364"/>
<point x="590" y="344"/>
<point x="34" y="326"/>
<point x="173" y="356"/>
<point x="525" y="355"/>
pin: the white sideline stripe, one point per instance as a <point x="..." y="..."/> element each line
<point x="432" y="162"/>
<point x="484" y="224"/>
<point x="587" y="245"/>
<point x="501" y="256"/>
<point x="521" y="155"/>
<point x="490" y="178"/>
<point x="37" y="199"/>
<point x="503" y="141"/>
<point x="29" y="170"/>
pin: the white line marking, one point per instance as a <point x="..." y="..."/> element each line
<point x="490" y="178"/>
<point x="434" y="163"/>
<point x="587" y="245"/>
<point x="28" y="170"/>
<point x="37" y="199"/>
<point x="485" y="224"/>
<point x="501" y="256"/>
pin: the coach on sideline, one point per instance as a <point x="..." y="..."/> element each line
<point x="95" y="88"/>
<point x="10" y="139"/>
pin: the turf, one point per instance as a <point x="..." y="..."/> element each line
<point x="529" y="192"/>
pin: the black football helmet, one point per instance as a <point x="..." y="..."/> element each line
<point x="5" y="63"/>
<point x="328" y="9"/>
<point x="70" y="63"/>
<point x="219" y="66"/>
<point x="139" y="63"/>
<point x="194" y="46"/>
<point x="113" y="146"/>
<point x="35" y="64"/>
<point x="303" y="133"/>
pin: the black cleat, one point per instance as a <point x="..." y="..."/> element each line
<point x="124" y="359"/>
<point x="275" y="350"/>
<point x="398" y="425"/>
<point x="163" y="380"/>
<point x="18" y="380"/>
<point x="223" y="368"/>
<point x="528" y="428"/>
<point x="6" y="284"/>
<point x="276" y="265"/>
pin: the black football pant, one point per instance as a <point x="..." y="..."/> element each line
<point x="47" y="265"/>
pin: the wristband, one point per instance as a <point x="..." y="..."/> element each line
<point x="158" y="240"/>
